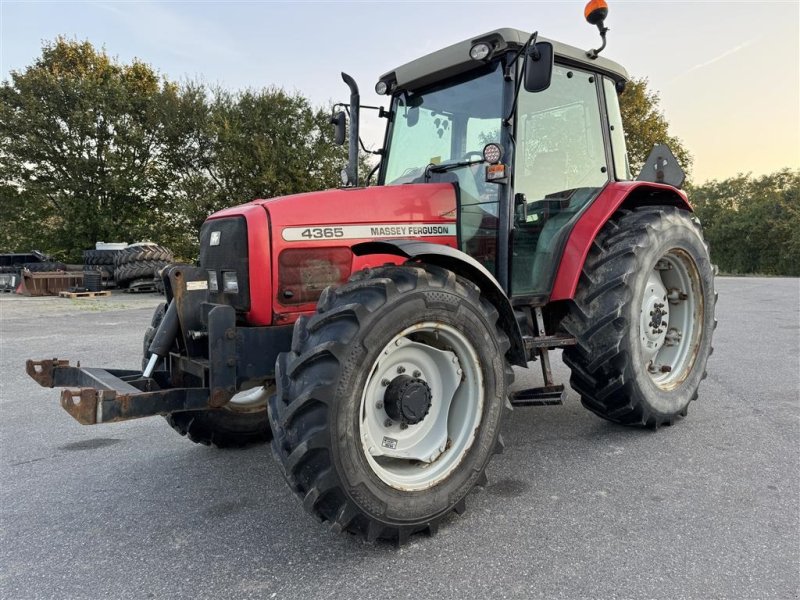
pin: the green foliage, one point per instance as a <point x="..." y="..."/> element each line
<point x="645" y="126"/>
<point x="752" y="223"/>
<point x="79" y="159"/>
<point x="230" y="148"/>
<point x="92" y="149"/>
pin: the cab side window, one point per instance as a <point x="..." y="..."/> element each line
<point x="559" y="137"/>
<point x="560" y="166"/>
<point x="622" y="166"/>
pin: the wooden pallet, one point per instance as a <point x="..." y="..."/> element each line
<point x="102" y="294"/>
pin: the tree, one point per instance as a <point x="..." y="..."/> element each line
<point x="92" y="149"/>
<point x="645" y="126"/>
<point x="80" y="149"/>
<point x="752" y="223"/>
<point x="245" y="145"/>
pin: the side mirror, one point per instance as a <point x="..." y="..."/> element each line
<point x="412" y="116"/>
<point x="339" y="122"/>
<point x="538" y="67"/>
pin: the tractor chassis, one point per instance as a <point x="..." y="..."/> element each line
<point x="212" y="359"/>
<point x="539" y="346"/>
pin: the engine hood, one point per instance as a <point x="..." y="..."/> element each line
<point x="415" y="203"/>
<point x="290" y="238"/>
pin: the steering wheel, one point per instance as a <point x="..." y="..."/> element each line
<point x="467" y="155"/>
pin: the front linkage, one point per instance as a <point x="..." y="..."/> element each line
<point x="206" y="360"/>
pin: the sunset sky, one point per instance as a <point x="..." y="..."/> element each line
<point x="728" y="72"/>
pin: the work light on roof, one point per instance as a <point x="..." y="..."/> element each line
<point x="480" y="51"/>
<point x="381" y="88"/>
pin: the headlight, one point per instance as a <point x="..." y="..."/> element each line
<point x="492" y="153"/>
<point x="480" y="51"/>
<point x="213" y="283"/>
<point x="304" y="272"/>
<point x="230" y="285"/>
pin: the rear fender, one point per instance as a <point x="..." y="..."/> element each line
<point x="464" y="265"/>
<point x="616" y="196"/>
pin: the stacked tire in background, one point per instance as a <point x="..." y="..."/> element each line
<point x="135" y="267"/>
<point x="138" y="265"/>
<point x="98" y="269"/>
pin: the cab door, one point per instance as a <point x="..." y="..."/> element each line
<point x="561" y="165"/>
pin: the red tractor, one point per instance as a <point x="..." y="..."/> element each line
<point x="370" y="331"/>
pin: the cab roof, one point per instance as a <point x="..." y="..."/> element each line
<point x="455" y="60"/>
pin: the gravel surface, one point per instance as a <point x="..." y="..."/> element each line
<point x="575" y="508"/>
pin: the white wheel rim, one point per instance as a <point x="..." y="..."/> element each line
<point x="670" y="323"/>
<point x="418" y="456"/>
<point x="251" y="400"/>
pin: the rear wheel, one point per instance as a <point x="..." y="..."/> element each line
<point x="390" y="403"/>
<point x="241" y="422"/>
<point x="643" y="315"/>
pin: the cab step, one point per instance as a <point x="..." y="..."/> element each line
<point x="547" y="395"/>
<point x="548" y="341"/>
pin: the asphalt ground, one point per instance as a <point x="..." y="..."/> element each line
<point x="575" y="507"/>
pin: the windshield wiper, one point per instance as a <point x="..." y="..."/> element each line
<point x="444" y="167"/>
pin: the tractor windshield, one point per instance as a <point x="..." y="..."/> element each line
<point x="446" y="124"/>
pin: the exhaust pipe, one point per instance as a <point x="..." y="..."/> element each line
<point x="352" y="160"/>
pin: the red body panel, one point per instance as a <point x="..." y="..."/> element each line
<point x="385" y="205"/>
<point x="258" y="243"/>
<point x="424" y="203"/>
<point x="388" y="205"/>
<point x="587" y="228"/>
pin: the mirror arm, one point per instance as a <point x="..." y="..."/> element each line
<point x="372" y="172"/>
<point x="378" y="152"/>
<point x="519" y="77"/>
<point x="360" y="141"/>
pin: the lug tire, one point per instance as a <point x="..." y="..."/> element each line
<point x="315" y="413"/>
<point x="146" y="269"/>
<point x="608" y="369"/>
<point x="143" y="253"/>
<point x="99" y="257"/>
<point x="223" y="428"/>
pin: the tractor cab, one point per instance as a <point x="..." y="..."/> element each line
<point x="527" y="159"/>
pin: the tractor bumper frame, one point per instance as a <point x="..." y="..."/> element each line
<point x="241" y="358"/>
<point x="95" y="396"/>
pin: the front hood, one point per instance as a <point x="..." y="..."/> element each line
<point x="302" y="231"/>
<point x="415" y="203"/>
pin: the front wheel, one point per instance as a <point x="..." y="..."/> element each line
<point x="389" y="404"/>
<point x="643" y="316"/>
<point x="242" y="422"/>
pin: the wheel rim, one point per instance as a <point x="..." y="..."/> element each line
<point x="252" y="400"/>
<point x="670" y="323"/>
<point x="417" y="455"/>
